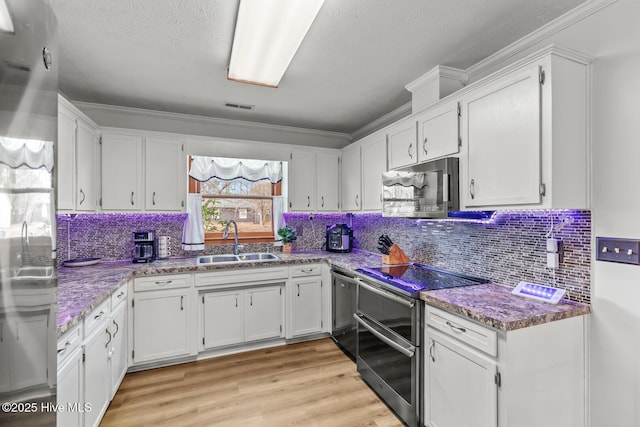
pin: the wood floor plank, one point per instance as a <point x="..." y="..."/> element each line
<point x="307" y="384"/>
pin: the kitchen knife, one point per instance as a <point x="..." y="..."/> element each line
<point x="387" y="241"/>
<point x="383" y="250"/>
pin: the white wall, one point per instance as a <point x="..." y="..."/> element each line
<point x="612" y="36"/>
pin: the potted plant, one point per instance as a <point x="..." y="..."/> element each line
<point x="288" y="235"/>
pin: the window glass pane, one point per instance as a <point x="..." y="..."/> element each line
<point x="251" y="215"/>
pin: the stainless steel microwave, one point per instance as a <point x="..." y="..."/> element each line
<point x="428" y="190"/>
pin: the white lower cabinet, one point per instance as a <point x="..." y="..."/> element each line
<point x="69" y="393"/>
<point x="163" y="324"/>
<point x="96" y="375"/>
<point x="118" y="350"/>
<point x="241" y="315"/>
<point x="477" y="376"/>
<point x="305" y="296"/>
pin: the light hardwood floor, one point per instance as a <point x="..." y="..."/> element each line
<point x="306" y="384"/>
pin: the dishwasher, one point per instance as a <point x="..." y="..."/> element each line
<point x="343" y="303"/>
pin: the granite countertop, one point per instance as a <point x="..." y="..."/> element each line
<point x="81" y="289"/>
<point x="494" y="305"/>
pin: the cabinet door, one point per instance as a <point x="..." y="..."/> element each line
<point x="438" y="134"/>
<point x="65" y="162"/>
<point x="307" y="306"/>
<point x="327" y="182"/>
<point x="160" y="325"/>
<point x="29" y="369"/>
<point x="223" y="318"/>
<point x="118" y="347"/>
<point x="302" y="181"/>
<point x="351" y="167"/>
<point x="503" y="137"/>
<point x="121" y="172"/>
<point x="263" y="313"/>
<point x="402" y="148"/>
<point x="374" y="158"/>
<point x="164" y="175"/>
<point x="96" y="373"/>
<point x="5" y="355"/>
<point x="86" y="162"/>
<point x="70" y="391"/>
<point x="459" y="378"/>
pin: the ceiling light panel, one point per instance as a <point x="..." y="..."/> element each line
<point x="6" y="24"/>
<point x="267" y="36"/>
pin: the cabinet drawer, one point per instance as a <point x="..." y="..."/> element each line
<point x="97" y="316"/>
<point x="119" y="296"/>
<point x="156" y="283"/>
<point x="241" y="275"/>
<point x="68" y="343"/>
<point x="306" y="270"/>
<point x="477" y="336"/>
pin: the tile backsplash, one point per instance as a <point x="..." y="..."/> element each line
<point x="508" y="248"/>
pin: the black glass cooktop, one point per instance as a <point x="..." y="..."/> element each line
<point x="413" y="278"/>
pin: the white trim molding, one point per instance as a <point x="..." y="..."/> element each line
<point x="391" y="117"/>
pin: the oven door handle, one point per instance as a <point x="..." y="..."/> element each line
<point x="409" y="352"/>
<point x="385" y="294"/>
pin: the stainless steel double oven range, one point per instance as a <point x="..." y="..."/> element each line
<point x="389" y="316"/>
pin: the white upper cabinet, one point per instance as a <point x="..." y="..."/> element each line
<point x="374" y="161"/>
<point x="438" y="132"/>
<point x="351" y="167"/>
<point x="525" y="132"/>
<point x="403" y="147"/>
<point x="165" y="176"/>
<point x="302" y="177"/>
<point x="327" y="171"/>
<point x="122" y="187"/>
<point x="77" y="159"/>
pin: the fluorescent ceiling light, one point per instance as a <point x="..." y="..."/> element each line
<point x="6" y="24"/>
<point x="268" y="34"/>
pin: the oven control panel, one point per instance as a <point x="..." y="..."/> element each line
<point x="539" y="292"/>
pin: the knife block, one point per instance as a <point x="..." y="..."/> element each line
<point x="396" y="256"/>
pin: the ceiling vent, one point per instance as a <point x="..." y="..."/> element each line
<point x="237" y="106"/>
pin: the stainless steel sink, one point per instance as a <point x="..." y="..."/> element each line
<point x="229" y="258"/>
<point x="258" y="256"/>
<point x="34" y="272"/>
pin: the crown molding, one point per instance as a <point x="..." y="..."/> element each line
<point x="439" y="71"/>
<point x="392" y="116"/>
<point x="90" y="106"/>
<point x="573" y="16"/>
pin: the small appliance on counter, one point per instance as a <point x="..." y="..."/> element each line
<point x="144" y="245"/>
<point x="339" y="238"/>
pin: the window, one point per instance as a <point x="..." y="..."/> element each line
<point x="228" y="195"/>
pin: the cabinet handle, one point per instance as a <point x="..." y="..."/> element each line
<point x="82" y="196"/>
<point x="431" y="348"/>
<point x="110" y="336"/>
<point x="236" y="301"/>
<point x="182" y="303"/>
<point x="153" y="199"/>
<point x="99" y="315"/>
<point x="424" y="145"/>
<point x="163" y="282"/>
<point x="308" y="201"/>
<point x="409" y="150"/>
<point x="298" y="289"/>
<point x="1" y="332"/>
<point x="472" y="188"/>
<point x="117" y="328"/>
<point x="250" y="299"/>
<point x="63" y="349"/>
<point x="120" y="295"/>
<point x="132" y="199"/>
<point x="322" y="204"/>
<point x="357" y="199"/>
<point x="456" y="328"/>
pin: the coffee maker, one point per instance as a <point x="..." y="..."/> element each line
<point x="144" y="246"/>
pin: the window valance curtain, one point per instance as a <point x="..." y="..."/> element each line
<point x="32" y="153"/>
<point x="205" y="168"/>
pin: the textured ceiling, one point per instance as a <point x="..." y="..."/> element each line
<point x="171" y="55"/>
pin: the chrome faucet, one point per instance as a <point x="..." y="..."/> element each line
<point x="225" y="235"/>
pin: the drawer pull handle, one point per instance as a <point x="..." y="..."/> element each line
<point x="163" y="282"/>
<point x="63" y="349"/>
<point x="306" y="270"/>
<point x="456" y="328"/>
<point x="120" y="295"/>
<point x="99" y="315"/>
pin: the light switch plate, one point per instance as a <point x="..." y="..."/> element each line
<point x="626" y="251"/>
